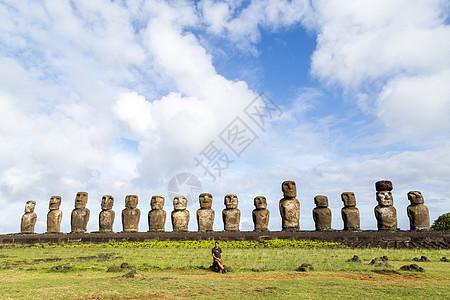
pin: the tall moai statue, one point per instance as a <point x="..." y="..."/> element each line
<point x="321" y="213"/>
<point x="156" y="216"/>
<point x="350" y="214"/>
<point x="180" y="216"/>
<point x="419" y="217"/>
<point x="205" y="215"/>
<point x="260" y="214"/>
<point x="289" y="207"/>
<point x="28" y="218"/>
<point x="231" y="215"/>
<point x="107" y="215"/>
<point x="385" y="212"/>
<point x="54" y="216"/>
<point x="131" y="214"/>
<point x="80" y="215"/>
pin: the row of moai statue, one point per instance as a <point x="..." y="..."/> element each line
<point x="289" y="206"/>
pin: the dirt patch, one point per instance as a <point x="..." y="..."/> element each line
<point x="149" y="296"/>
<point x="264" y="290"/>
<point x="99" y="258"/>
<point x="393" y="277"/>
<point x="386" y="272"/>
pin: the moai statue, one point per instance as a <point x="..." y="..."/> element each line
<point x="419" y="218"/>
<point x="180" y="216"/>
<point x="157" y="216"/>
<point x="80" y="215"/>
<point x="231" y="215"/>
<point x="28" y="218"/>
<point x="289" y="207"/>
<point x="54" y="216"/>
<point x="321" y="213"/>
<point x="131" y="214"/>
<point x="260" y="214"/>
<point x="205" y="215"/>
<point x="350" y="214"/>
<point x="107" y="215"/>
<point x="385" y="212"/>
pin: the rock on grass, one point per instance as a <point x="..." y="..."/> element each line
<point x="113" y="268"/>
<point x="305" y="268"/>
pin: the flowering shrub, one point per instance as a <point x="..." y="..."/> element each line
<point x="201" y="244"/>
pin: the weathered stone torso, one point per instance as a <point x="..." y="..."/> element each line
<point x="180" y="220"/>
<point x="322" y="218"/>
<point x="261" y="219"/>
<point x="156" y="220"/>
<point x="79" y="220"/>
<point x="231" y="219"/>
<point x="386" y="217"/>
<point x="106" y="220"/>
<point x="28" y="222"/>
<point x="290" y="214"/>
<point x="350" y="216"/>
<point x="419" y="217"/>
<point x="130" y="219"/>
<point x="205" y="219"/>
<point x="54" y="221"/>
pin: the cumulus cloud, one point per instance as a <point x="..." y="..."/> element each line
<point x="240" y="22"/>
<point x="392" y="57"/>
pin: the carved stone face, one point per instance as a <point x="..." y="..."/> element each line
<point x="131" y="201"/>
<point x="349" y="199"/>
<point x="157" y="202"/>
<point x="205" y="200"/>
<point x="321" y="201"/>
<point x="179" y="203"/>
<point x="415" y="197"/>
<point x="55" y="202"/>
<point x="384" y="198"/>
<point x="29" y="206"/>
<point x="81" y="200"/>
<point x="260" y="202"/>
<point x="289" y="189"/>
<point x="107" y="202"/>
<point x="231" y="201"/>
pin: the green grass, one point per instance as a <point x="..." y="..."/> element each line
<point x="182" y="271"/>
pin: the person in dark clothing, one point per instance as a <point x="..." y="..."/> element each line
<point x="217" y="257"/>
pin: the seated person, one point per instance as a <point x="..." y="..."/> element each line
<point x="217" y="257"/>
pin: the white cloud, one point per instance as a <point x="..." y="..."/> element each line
<point x="241" y="23"/>
<point x="416" y="106"/>
<point x="392" y="57"/>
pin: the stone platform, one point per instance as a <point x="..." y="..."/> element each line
<point x="366" y="238"/>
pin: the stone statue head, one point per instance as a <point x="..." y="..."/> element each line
<point x="157" y="202"/>
<point x="349" y="199"/>
<point x="260" y="202"/>
<point x="415" y="197"/>
<point x="29" y="206"/>
<point x="81" y="200"/>
<point x="55" y="202"/>
<point x="131" y="201"/>
<point x="179" y="203"/>
<point x="289" y="189"/>
<point x="321" y="201"/>
<point x="107" y="202"/>
<point x="231" y="201"/>
<point x="205" y="200"/>
<point x="385" y="198"/>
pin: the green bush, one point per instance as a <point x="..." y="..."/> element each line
<point x="442" y="223"/>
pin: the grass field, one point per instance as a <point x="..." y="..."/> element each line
<point x="173" y="272"/>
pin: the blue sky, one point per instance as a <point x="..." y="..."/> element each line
<point x="121" y="97"/>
